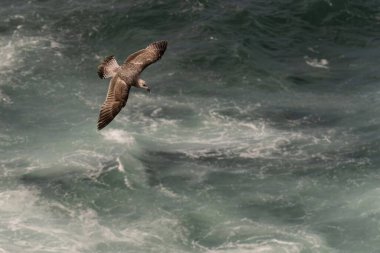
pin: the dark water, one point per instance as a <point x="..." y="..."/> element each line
<point x="260" y="134"/>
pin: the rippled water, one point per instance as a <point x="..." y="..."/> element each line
<point x="260" y="134"/>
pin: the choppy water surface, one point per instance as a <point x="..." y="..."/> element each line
<point x="260" y="134"/>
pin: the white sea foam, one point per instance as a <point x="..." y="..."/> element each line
<point x="167" y="192"/>
<point x="25" y="214"/>
<point x="12" y="53"/>
<point x="121" y="168"/>
<point x="82" y="230"/>
<point x="261" y="237"/>
<point x="84" y="159"/>
<point x="220" y="135"/>
<point x="16" y="200"/>
<point x="8" y="140"/>
<point x="317" y="63"/>
<point x="118" y="136"/>
<point x="11" y="50"/>
<point x="5" y="98"/>
<point x="271" y="246"/>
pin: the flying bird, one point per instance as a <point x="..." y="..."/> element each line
<point x="124" y="77"/>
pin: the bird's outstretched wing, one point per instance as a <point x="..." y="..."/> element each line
<point x="152" y="53"/>
<point x="117" y="97"/>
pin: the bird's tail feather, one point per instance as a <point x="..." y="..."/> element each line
<point x="108" y="67"/>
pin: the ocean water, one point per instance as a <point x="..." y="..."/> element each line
<point x="261" y="133"/>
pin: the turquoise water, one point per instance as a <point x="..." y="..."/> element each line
<point x="260" y="133"/>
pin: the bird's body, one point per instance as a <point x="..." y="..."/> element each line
<point x="124" y="77"/>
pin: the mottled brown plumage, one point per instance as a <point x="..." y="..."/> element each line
<point x="125" y="76"/>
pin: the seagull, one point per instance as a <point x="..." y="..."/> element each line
<point x="124" y="77"/>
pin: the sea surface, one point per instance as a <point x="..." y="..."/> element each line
<point x="261" y="133"/>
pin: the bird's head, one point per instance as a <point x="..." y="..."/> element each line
<point x="143" y="85"/>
